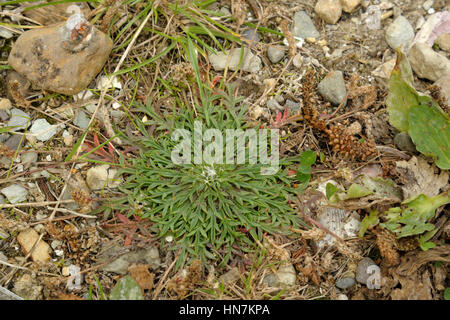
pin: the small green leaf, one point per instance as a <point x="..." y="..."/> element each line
<point x="303" y="177"/>
<point x="425" y="245"/>
<point x="308" y="158"/>
<point x="126" y="289"/>
<point x="330" y="189"/>
<point x="369" y="221"/>
<point x="357" y="191"/>
<point x="447" y="294"/>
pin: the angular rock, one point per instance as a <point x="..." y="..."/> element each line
<point x="303" y="27"/>
<point x="63" y="58"/>
<point x="29" y="157"/>
<point x="361" y="271"/>
<point x="81" y="120"/>
<point x="349" y="5"/>
<point x="443" y="41"/>
<point x="400" y="33"/>
<point x="427" y="63"/>
<point x="384" y="71"/>
<point x="27" y="239"/>
<point x="275" y="54"/>
<point x="329" y="10"/>
<point x="13" y="142"/>
<point x="332" y="87"/>
<point x="251" y="63"/>
<point x="4" y="116"/>
<point x="43" y="130"/>
<point x="15" y="193"/>
<point x="19" y="119"/>
<point x="5" y="33"/>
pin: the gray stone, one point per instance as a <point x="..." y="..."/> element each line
<point x="404" y="142"/>
<point x="43" y="130"/>
<point x="13" y="142"/>
<point x="2" y="199"/>
<point x="293" y="106"/>
<point x="427" y="63"/>
<point x="345" y="283"/>
<point x="361" y="271"/>
<point x="251" y="63"/>
<point x="400" y="33"/>
<point x="4" y="33"/>
<point x="19" y="119"/>
<point x="273" y="105"/>
<point x="251" y="35"/>
<point x="332" y="87"/>
<point x="3" y="137"/>
<point x="4" y="116"/>
<point x="29" y="157"/>
<point x="120" y="265"/>
<point x="275" y="54"/>
<point x="15" y="193"/>
<point x="81" y="120"/>
<point x="303" y="26"/>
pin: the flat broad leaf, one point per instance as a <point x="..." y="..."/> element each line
<point x="430" y="132"/>
<point x="126" y="289"/>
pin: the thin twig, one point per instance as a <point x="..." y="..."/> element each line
<point x="160" y="283"/>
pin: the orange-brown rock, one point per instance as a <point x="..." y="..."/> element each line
<point x="63" y="58"/>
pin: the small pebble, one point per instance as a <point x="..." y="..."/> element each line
<point x="345" y="283"/>
<point x="361" y="271"/>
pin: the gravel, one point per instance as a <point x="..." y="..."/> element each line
<point x="303" y="27"/>
<point x="15" y="193"/>
<point x="275" y="54"/>
<point x="43" y="130"/>
<point x="332" y="87"/>
<point x="399" y="34"/>
<point x="19" y="119"/>
<point x="361" y="271"/>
